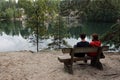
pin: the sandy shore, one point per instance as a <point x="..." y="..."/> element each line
<point x="44" y="65"/>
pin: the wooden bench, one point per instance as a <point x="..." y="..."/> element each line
<point x="68" y="56"/>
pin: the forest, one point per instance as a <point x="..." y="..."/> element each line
<point x="54" y="14"/>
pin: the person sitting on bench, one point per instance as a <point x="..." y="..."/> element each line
<point x="82" y="43"/>
<point x="95" y="43"/>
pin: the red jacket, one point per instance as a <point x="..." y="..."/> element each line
<point x="94" y="44"/>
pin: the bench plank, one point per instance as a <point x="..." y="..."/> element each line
<point x="64" y="57"/>
<point x="66" y="50"/>
<point x="85" y="49"/>
<point x="68" y="58"/>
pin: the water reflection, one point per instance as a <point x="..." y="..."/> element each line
<point x="17" y="28"/>
<point x="10" y="28"/>
<point x="90" y="28"/>
<point x="99" y="28"/>
<point x="14" y="28"/>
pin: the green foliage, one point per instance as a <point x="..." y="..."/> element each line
<point x="113" y="36"/>
<point x="95" y="10"/>
<point x="27" y="5"/>
<point x="39" y="13"/>
<point x="68" y="6"/>
<point x="8" y="10"/>
<point x="102" y="11"/>
<point x="58" y="28"/>
<point x="9" y="13"/>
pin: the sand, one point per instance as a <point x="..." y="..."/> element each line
<point x="44" y="65"/>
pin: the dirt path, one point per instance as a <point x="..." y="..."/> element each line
<point x="45" y="66"/>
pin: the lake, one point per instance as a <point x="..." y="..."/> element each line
<point x="14" y="36"/>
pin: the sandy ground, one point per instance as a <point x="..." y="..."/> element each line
<point x="44" y="65"/>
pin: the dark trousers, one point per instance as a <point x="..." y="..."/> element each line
<point x="96" y="63"/>
<point x="79" y="54"/>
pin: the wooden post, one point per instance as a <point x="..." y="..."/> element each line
<point x="98" y="64"/>
<point x="71" y="63"/>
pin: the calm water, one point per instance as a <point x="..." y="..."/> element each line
<point x="18" y="29"/>
<point x="11" y="28"/>
<point x="90" y="28"/>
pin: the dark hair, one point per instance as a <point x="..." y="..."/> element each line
<point x="82" y="36"/>
<point x="95" y="37"/>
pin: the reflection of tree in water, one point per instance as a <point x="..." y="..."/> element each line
<point x="75" y="31"/>
<point x="13" y="28"/>
<point x="9" y="28"/>
<point x="96" y="27"/>
<point x="58" y="30"/>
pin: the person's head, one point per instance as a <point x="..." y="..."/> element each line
<point x="95" y="37"/>
<point x="82" y="36"/>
